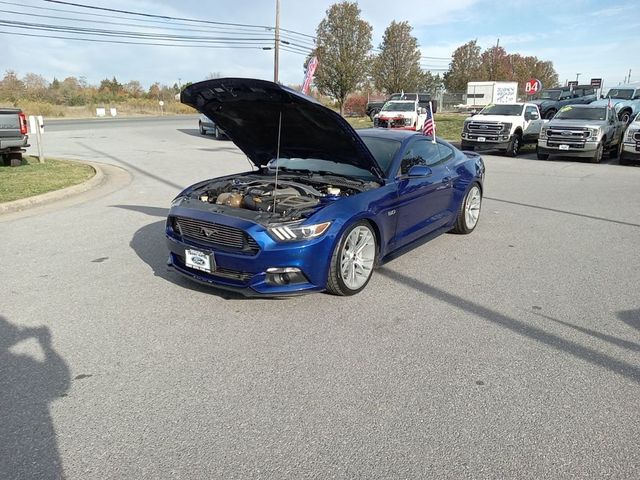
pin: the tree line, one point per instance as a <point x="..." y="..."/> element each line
<point x="346" y="65"/>
<point x="73" y="91"/>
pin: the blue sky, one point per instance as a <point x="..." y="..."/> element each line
<point x="597" y="38"/>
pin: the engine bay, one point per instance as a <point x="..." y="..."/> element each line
<point x="288" y="199"/>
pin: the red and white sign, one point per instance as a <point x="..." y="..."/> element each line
<point x="533" y="86"/>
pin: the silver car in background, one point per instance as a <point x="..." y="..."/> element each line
<point x="630" y="145"/>
<point x="206" y="125"/>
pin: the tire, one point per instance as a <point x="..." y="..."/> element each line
<point x="343" y="278"/>
<point x="597" y="156"/>
<point x="201" y="129"/>
<point x="550" y="114"/>
<point x="613" y="151"/>
<point x="467" y="220"/>
<point x="623" y="160"/>
<point x="216" y="133"/>
<point x="12" y="159"/>
<point x="625" y="117"/>
<point x="373" y="113"/>
<point x="514" y="145"/>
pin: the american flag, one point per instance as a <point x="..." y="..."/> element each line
<point x="308" y="76"/>
<point x="429" y="127"/>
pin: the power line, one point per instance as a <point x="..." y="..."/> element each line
<point x="96" y="40"/>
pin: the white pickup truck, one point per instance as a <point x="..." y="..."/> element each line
<point x="401" y="114"/>
<point x="505" y="127"/>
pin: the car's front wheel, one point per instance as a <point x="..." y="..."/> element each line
<point x="353" y="260"/>
<point x="469" y="211"/>
<point x="201" y="129"/>
<point x="216" y="133"/>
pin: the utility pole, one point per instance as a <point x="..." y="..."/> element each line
<point x="276" y="46"/>
<point x="629" y="77"/>
<point x="577" y="76"/>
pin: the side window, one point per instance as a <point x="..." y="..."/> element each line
<point x="529" y="111"/>
<point x="424" y="152"/>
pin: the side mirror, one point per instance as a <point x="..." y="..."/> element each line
<point x="420" y="171"/>
<point x="423" y="111"/>
<point x="601" y="96"/>
<point x="535" y="116"/>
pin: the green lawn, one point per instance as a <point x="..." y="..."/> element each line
<point x="34" y="178"/>
<point x="448" y="125"/>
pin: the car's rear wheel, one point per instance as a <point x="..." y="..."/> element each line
<point x="625" y="116"/>
<point x="353" y="260"/>
<point x="12" y="159"/>
<point x="469" y="211"/>
<point x="201" y="129"/>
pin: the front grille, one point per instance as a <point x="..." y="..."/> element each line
<point x="573" y="136"/>
<point x="215" y="234"/>
<point x="485" y="127"/>
<point x="218" y="272"/>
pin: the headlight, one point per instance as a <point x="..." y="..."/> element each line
<point x="506" y="127"/>
<point x="408" y="121"/>
<point x="543" y="133"/>
<point x="466" y="126"/>
<point x="594" y="133"/>
<point x="291" y="233"/>
<point x="629" y="136"/>
<point x="177" y="201"/>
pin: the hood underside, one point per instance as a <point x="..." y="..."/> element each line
<point x="255" y="113"/>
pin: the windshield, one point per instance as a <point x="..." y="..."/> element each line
<point x="511" y="110"/>
<point x="383" y="150"/>
<point x="399" y="107"/>
<point x="621" y="93"/>
<point x="549" y="95"/>
<point x="569" y="113"/>
<point x="316" y="165"/>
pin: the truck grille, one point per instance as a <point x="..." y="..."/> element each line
<point x="215" y="234"/>
<point x="572" y="136"/>
<point x="485" y="127"/>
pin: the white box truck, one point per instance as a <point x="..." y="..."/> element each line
<point x="481" y="94"/>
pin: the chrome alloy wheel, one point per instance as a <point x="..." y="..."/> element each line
<point x="472" y="207"/>
<point x="357" y="257"/>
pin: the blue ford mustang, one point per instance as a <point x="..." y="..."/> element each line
<point x="326" y="203"/>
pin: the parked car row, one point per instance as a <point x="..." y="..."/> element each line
<point x="587" y="131"/>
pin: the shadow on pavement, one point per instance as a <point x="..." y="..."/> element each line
<point x="28" y="444"/>
<point x="519" y="327"/>
<point x="631" y="318"/>
<point x="194" y="132"/>
<point x="149" y="244"/>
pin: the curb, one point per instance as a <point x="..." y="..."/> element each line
<point x="25" y="203"/>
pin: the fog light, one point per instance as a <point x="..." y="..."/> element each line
<point x="285" y="276"/>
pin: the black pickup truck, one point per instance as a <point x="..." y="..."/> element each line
<point x="423" y="101"/>
<point x="13" y="136"/>
<point x="551" y="100"/>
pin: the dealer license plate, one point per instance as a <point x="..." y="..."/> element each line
<point x="564" y="147"/>
<point x="199" y="260"/>
<point x="637" y="146"/>
<point x="482" y="139"/>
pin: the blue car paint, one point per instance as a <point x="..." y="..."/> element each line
<point x="401" y="211"/>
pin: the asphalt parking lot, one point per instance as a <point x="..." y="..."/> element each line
<point x="513" y="352"/>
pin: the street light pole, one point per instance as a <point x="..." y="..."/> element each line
<point x="276" y="46"/>
<point x="577" y="76"/>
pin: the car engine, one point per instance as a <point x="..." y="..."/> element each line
<point x="288" y="198"/>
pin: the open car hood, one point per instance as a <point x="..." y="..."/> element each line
<point x="249" y="112"/>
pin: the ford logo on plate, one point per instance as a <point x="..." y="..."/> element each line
<point x="197" y="260"/>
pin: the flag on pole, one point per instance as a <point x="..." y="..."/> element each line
<point x="308" y="75"/>
<point x="429" y="127"/>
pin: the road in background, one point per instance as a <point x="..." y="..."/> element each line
<point x="509" y="353"/>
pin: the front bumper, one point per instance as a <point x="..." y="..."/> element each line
<point x="490" y="142"/>
<point x="631" y="151"/>
<point x="586" y="149"/>
<point x="247" y="273"/>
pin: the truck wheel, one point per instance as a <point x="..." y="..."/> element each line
<point x="597" y="156"/>
<point x="373" y="113"/>
<point x="216" y="133"/>
<point x="622" y="160"/>
<point x="514" y="145"/>
<point x="625" y="116"/>
<point x="550" y="114"/>
<point x="542" y="156"/>
<point x="613" y="151"/>
<point x="13" y="159"/>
